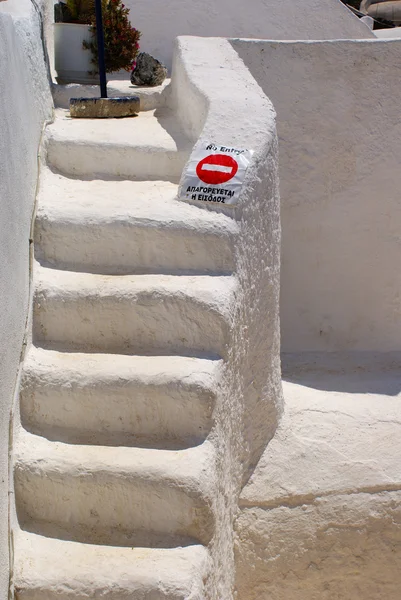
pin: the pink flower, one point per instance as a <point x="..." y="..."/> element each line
<point x="133" y="66"/>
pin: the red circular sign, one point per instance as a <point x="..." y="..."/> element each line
<point x="217" y="168"/>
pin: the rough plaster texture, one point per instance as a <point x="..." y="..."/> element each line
<point x="160" y="24"/>
<point x="174" y="342"/>
<point x="137" y="571"/>
<point x="157" y="233"/>
<point x="131" y="314"/>
<point x="344" y="546"/>
<point x="321" y="513"/>
<point x="340" y="182"/>
<point x="183" y="392"/>
<point x="24" y="104"/>
<point x="157" y="149"/>
<point x="249" y="406"/>
<point x="115" y="495"/>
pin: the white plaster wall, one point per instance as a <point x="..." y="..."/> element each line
<point x="24" y="104"/>
<point x="340" y="147"/>
<point x="217" y="99"/>
<point x="161" y="22"/>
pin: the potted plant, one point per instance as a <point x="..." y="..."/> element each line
<point x="121" y="40"/>
<point x="76" y="44"/>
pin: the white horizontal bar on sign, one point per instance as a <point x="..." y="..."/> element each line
<point x="219" y="168"/>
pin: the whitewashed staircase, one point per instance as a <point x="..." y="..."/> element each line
<point x="114" y="464"/>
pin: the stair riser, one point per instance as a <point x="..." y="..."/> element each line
<point x="97" y="160"/>
<point x="104" y="507"/>
<point x="72" y="590"/>
<point x="137" y="323"/>
<point x="125" y="248"/>
<point x="61" y="591"/>
<point x="116" y="412"/>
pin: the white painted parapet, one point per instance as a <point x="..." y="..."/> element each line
<point x="217" y="100"/>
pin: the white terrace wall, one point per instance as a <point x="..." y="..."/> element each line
<point x="338" y="106"/>
<point x="24" y="104"/>
<point x="161" y="22"/>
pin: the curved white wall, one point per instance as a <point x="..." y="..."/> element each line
<point x="340" y="179"/>
<point x="161" y="22"/>
<point x="24" y="104"/>
<point x="217" y="100"/>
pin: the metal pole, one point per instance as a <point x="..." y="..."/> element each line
<point x="100" y="49"/>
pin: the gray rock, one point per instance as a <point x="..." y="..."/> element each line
<point x="148" y="71"/>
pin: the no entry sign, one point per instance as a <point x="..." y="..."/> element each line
<point x="217" y="168"/>
<point x="215" y="174"/>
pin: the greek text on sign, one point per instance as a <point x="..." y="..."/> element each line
<point x="215" y="174"/>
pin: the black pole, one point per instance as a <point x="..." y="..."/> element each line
<point x="100" y="49"/>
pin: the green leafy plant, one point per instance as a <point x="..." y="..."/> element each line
<point x="121" y="40"/>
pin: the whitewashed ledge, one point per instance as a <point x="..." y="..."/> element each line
<point x="150" y="97"/>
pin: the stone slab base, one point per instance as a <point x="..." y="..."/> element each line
<point x="151" y="98"/>
<point x="320" y="516"/>
<point x="103" y="108"/>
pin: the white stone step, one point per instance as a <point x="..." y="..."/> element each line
<point x="114" y="227"/>
<point x="114" y="495"/>
<point x="48" y="569"/>
<point x="144" y="147"/>
<point x="132" y="314"/>
<point x="103" y="399"/>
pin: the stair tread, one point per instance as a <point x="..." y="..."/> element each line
<point x="159" y="133"/>
<point x="114" y="495"/>
<point x="51" y="568"/>
<point x="65" y="367"/>
<point x="189" y="466"/>
<point x="125" y="226"/>
<point x="129" y="202"/>
<point x="149" y="146"/>
<point x="109" y="400"/>
<point x="133" y="314"/>
<point x="202" y="289"/>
